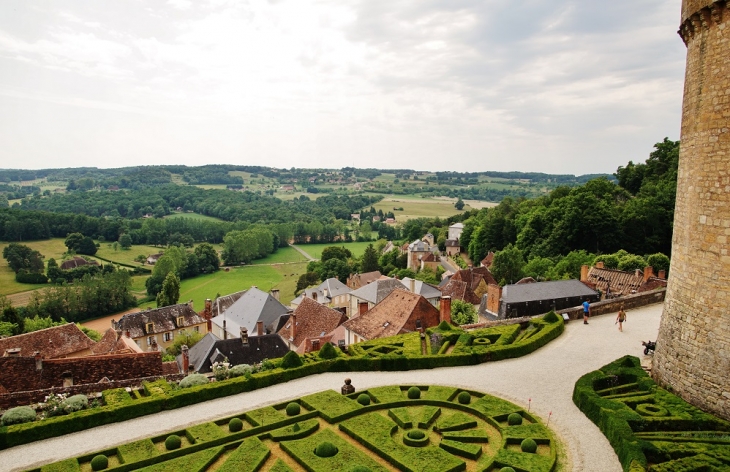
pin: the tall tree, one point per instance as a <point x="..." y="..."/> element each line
<point x="170" y="292"/>
<point x="369" y="261"/>
<point x="507" y="265"/>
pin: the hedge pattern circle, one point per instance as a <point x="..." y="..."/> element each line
<point x="442" y="429"/>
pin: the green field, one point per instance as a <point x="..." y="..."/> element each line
<point x="192" y="216"/>
<point x="315" y="250"/>
<point x="417" y="207"/>
<point x="49" y="248"/>
<point x="285" y="255"/>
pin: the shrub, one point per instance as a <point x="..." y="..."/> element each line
<point x="328" y="351"/>
<point x="325" y="449"/>
<point x="464" y="398"/>
<point x="99" y="462"/>
<point x="240" y="370"/>
<point x="21" y="414"/>
<point x="193" y="380"/>
<point x="360" y="468"/>
<point x="529" y="445"/>
<point x="75" y="403"/>
<point x="235" y="425"/>
<point x="416" y="434"/>
<point x="363" y="399"/>
<point x="444" y="326"/>
<point x="293" y="409"/>
<point x="506" y="469"/>
<point x="290" y="360"/>
<point x="514" y="419"/>
<point x="55" y="405"/>
<point x="414" y="393"/>
<point x="550" y="317"/>
<point x="172" y="442"/>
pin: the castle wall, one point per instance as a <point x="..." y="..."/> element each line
<point x="693" y="348"/>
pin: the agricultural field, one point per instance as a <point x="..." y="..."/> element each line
<point x="192" y="216"/>
<point x="409" y="427"/>
<point x="315" y="250"/>
<point x="49" y="248"/>
<point x="418" y="207"/>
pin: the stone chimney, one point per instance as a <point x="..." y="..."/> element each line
<point x="190" y="304"/>
<point x="128" y="334"/>
<point x="185" y="358"/>
<point x="413" y="285"/>
<point x="637" y="273"/>
<point x="362" y="308"/>
<point x="584" y="273"/>
<point x="325" y="293"/>
<point x="293" y="330"/>
<point x="244" y="335"/>
<point x="648" y="272"/>
<point x="259" y="328"/>
<point x="38" y="360"/>
<point x="662" y="274"/>
<point x="208" y="314"/>
<point x="275" y="293"/>
<point x="445" y="309"/>
<point x="314" y="296"/>
<point x="599" y="265"/>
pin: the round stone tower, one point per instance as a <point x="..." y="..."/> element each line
<point x="693" y="348"/>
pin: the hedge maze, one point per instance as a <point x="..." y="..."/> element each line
<point x="651" y="429"/>
<point x="408" y="428"/>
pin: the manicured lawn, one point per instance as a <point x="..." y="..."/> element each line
<point x="315" y="250"/>
<point x="283" y="255"/>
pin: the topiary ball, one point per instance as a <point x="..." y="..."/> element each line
<point x="325" y="449"/>
<point x="193" y="380"/>
<point x="506" y="469"/>
<point x="414" y="393"/>
<point x="235" y="425"/>
<point x="416" y="434"/>
<point x="360" y="468"/>
<point x="464" y="398"/>
<point x="290" y="360"/>
<point x="529" y="445"/>
<point x="514" y="419"/>
<point x="293" y="409"/>
<point x="173" y="441"/>
<point x="99" y="462"/>
<point x="363" y="399"/>
<point x="17" y="415"/>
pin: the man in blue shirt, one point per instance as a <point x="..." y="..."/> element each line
<point x="586" y="311"/>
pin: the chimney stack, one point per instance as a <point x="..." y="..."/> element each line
<point x="259" y="328"/>
<point x="584" y="273"/>
<point x="186" y="358"/>
<point x="445" y="309"/>
<point x="599" y="265"/>
<point x="208" y="314"/>
<point x="362" y="308"/>
<point x="637" y="273"/>
<point x="275" y="293"/>
<point x="293" y="330"/>
<point x="648" y="272"/>
<point x="662" y="274"/>
<point x="38" y="360"/>
<point x="413" y="285"/>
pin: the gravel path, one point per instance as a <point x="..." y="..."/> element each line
<point x="303" y="252"/>
<point x="546" y="376"/>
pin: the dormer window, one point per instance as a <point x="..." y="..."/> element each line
<point x="149" y="327"/>
<point x="180" y="321"/>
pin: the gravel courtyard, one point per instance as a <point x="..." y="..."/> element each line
<point x="546" y="377"/>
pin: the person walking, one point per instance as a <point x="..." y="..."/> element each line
<point x="586" y="311"/>
<point x="620" y="318"/>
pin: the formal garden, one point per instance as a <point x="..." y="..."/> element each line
<point x="650" y="428"/>
<point x="409" y="428"/>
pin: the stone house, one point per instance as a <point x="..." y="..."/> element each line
<point x="455" y="231"/>
<point x="152" y="259"/>
<point x="417" y="250"/>
<point x="252" y="307"/>
<point x="156" y="329"/>
<point x="243" y="349"/>
<point x="616" y="283"/>
<point x="331" y="292"/>
<point x="51" y="343"/>
<point x="311" y="321"/>
<point x="356" y="281"/>
<point x="75" y="262"/>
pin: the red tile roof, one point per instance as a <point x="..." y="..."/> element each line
<point x="460" y="290"/>
<point x="396" y="314"/>
<point x="59" y="341"/>
<point x="475" y="275"/>
<point x="313" y="321"/>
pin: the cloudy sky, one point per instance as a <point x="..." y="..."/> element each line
<point x="558" y="86"/>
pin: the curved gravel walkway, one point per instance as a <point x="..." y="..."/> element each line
<point x="546" y="376"/>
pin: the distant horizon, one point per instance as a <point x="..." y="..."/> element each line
<point x="564" y="87"/>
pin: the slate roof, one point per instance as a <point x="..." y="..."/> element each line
<point x="76" y="262"/>
<point x="251" y="307"/>
<point x="357" y="281"/>
<point x="545" y="291"/>
<point x="268" y="346"/>
<point x="474" y="275"/>
<point x="313" y="320"/>
<point x="58" y="341"/>
<point x="163" y="320"/>
<point x="396" y="314"/>
<point x="376" y="291"/>
<point x="198" y="353"/>
<point x="332" y="286"/>
<point x="221" y="304"/>
<point x="422" y="288"/>
<point x="460" y="290"/>
<point x="419" y="246"/>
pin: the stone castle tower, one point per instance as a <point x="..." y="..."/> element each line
<point x="693" y="348"/>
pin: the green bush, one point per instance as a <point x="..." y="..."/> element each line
<point x="293" y="409"/>
<point x="235" y="425"/>
<point x="514" y="419"/>
<point x="290" y="360"/>
<point x="551" y="317"/>
<point x="363" y="399"/>
<point x="414" y="393"/>
<point x="240" y="370"/>
<point x="328" y="351"/>
<point x="506" y="469"/>
<point x="17" y="415"/>
<point x="75" y="403"/>
<point x="192" y="380"/>
<point x="444" y="326"/>
<point x="173" y="442"/>
<point x="416" y="434"/>
<point x="360" y="468"/>
<point x="529" y="445"/>
<point x="464" y="398"/>
<point x="99" y="462"/>
<point x="325" y="449"/>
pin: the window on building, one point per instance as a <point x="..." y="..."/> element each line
<point x="149" y="327"/>
<point x="180" y="321"/>
<point x="167" y="337"/>
<point x="181" y="332"/>
<point x="151" y="340"/>
<point x="196" y="329"/>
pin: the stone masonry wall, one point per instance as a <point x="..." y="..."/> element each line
<point x="693" y="354"/>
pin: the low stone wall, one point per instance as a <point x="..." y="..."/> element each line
<point x="10" y="400"/>
<point x="598" y="308"/>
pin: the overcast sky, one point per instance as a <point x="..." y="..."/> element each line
<point x="557" y="86"/>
